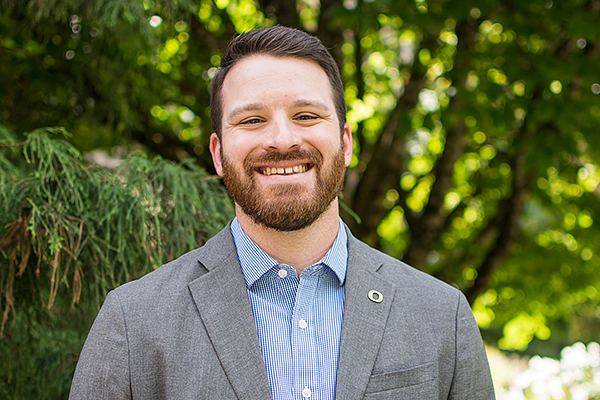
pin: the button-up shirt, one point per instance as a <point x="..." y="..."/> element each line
<point x="298" y="319"/>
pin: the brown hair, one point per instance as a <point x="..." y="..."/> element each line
<point x="277" y="41"/>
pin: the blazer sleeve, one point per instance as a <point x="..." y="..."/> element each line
<point x="472" y="379"/>
<point x="102" y="371"/>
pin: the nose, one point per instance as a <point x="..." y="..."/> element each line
<point x="282" y="136"/>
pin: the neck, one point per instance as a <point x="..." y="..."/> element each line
<point x="299" y="249"/>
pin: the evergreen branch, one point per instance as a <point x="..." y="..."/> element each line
<point x="108" y="226"/>
<point x="13" y="144"/>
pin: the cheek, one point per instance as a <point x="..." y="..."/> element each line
<point x="239" y="145"/>
<point x="234" y="152"/>
<point x="331" y="147"/>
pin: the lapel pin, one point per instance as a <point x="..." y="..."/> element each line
<point x="375" y="296"/>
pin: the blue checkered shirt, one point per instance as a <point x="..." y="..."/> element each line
<point x="299" y="320"/>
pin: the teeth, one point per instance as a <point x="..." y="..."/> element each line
<point x="285" y="171"/>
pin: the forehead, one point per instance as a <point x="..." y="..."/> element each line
<point x="267" y="79"/>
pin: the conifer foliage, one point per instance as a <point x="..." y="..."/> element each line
<point x="70" y="232"/>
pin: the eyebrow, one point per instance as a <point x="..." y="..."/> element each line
<point x="311" y="103"/>
<point x="245" y="108"/>
<point x="261" y="106"/>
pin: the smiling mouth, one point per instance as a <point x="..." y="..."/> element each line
<point x="296" y="169"/>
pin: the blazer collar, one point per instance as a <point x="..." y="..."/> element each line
<point x="224" y="306"/>
<point x="364" y="319"/>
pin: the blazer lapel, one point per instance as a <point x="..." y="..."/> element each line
<point x="222" y="299"/>
<point x="364" y="321"/>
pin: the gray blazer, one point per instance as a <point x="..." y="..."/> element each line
<point x="186" y="331"/>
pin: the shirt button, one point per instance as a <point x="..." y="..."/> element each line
<point x="306" y="392"/>
<point x="282" y="273"/>
<point x="302" y="324"/>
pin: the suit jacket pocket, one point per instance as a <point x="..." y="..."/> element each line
<point x="401" y="379"/>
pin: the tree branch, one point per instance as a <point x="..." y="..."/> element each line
<point x="430" y="225"/>
<point x="331" y="34"/>
<point x="284" y="10"/>
<point x="12" y="144"/>
<point x="384" y="167"/>
<point x="432" y="221"/>
<point x="509" y="229"/>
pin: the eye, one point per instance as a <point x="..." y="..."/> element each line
<point x="251" y="121"/>
<point x="306" y="117"/>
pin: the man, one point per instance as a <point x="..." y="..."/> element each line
<point x="283" y="303"/>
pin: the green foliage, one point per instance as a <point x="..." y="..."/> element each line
<point x="475" y="125"/>
<point x="71" y="232"/>
<point x="477" y="158"/>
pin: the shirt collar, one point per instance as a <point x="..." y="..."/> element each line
<point x="255" y="262"/>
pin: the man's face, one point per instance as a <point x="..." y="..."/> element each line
<point x="281" y="153"/>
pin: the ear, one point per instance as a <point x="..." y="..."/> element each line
<point x="347" y="139"/>
<point x="215" y="151"/>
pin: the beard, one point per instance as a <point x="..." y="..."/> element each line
<point x="286" y="206"/>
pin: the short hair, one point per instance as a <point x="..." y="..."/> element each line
<point x="280" y="42"/>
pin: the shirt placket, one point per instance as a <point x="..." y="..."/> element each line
<point x="304" y="343"/>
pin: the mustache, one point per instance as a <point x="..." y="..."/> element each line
<point x="313" y="157"/>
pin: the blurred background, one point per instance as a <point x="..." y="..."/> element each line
<point x="476" y="160"/>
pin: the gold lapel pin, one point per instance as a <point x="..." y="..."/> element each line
<point x="375" y="296"/>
